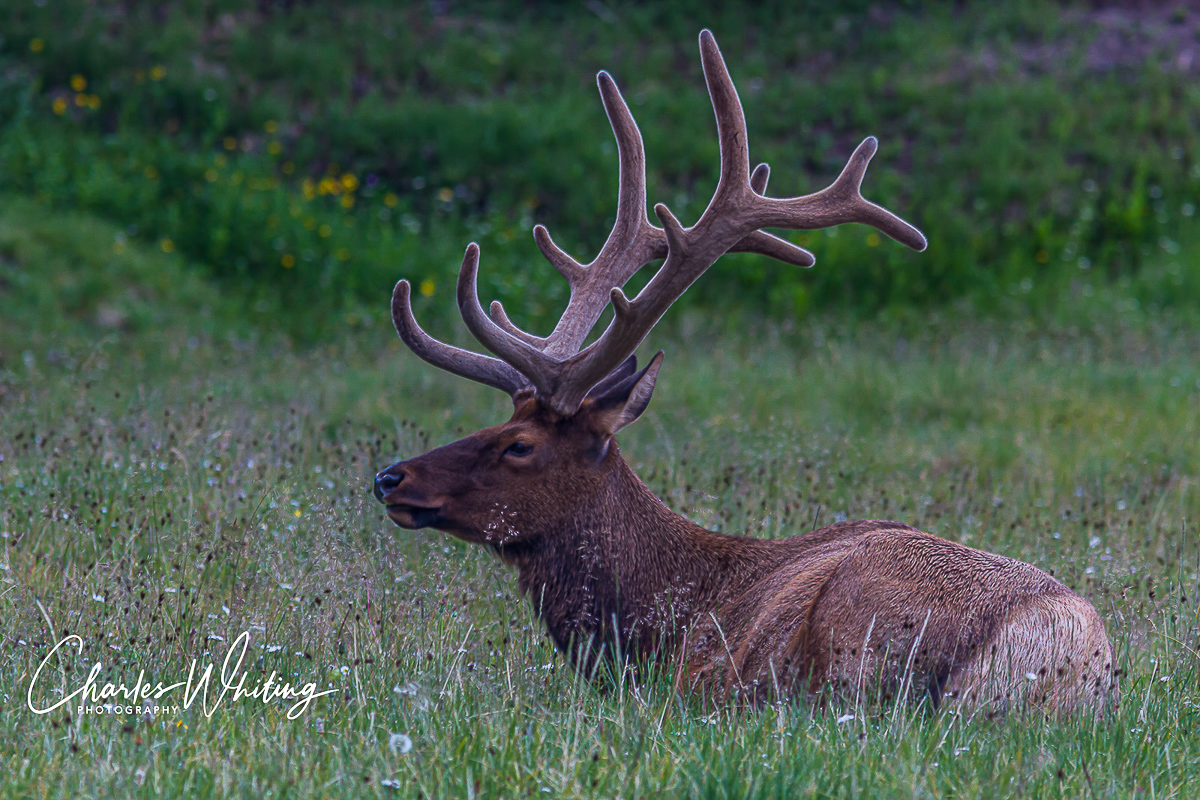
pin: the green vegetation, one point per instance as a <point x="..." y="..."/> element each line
<point x="189" y="420"/>
<point x="171" y="477"/>
<point x="312" y="154"/>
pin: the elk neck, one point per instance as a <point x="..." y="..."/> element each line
<point x="620" y="570"/>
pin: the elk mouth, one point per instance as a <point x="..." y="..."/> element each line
<point x="413" y="517"/>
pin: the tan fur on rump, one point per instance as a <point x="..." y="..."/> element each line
<point x="885" y="605"/>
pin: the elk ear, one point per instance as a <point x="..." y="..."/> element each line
<point x="623" y="371"/>
<point x="625" y="401"/>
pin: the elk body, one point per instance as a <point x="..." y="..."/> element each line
<point x="866" y="606"/>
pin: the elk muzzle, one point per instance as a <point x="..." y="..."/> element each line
<point x="389" y="490"/>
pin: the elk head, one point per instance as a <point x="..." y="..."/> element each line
<point x="506" y="484"/>
<point x="514" y="482"/>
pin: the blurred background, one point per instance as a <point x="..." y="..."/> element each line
<point x="301" y="156"/>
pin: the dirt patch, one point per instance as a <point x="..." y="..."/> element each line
<point x="1107" y="38"/>
<point x="1132" y="35"/>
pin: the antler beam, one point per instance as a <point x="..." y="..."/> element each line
<point x="476" y="367"/>
<point x="562" y="373"/>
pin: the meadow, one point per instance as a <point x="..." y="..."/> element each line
<point x="172" y="477"/>
<point x="204" y="208"/>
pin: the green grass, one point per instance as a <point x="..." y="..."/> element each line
<point x="377" y="139"/>
<point x="172" y="470"/>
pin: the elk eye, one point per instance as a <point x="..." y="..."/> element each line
<point x="518" y="449"/>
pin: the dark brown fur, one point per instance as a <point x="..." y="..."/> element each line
<point x="866" y="606"/>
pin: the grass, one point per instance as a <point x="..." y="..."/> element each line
<point x="173" y="472"/>
<point x="304" y="155"/>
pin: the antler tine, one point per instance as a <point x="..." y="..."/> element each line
<point x="768" y="244"/>
<point x="631" y="156"/>
<point x="840" y="202"/>
<point x="759" y="178"/>
<point x="484" y="369"/>
<point x="516" y="351"/>
<point x="731" y="121"/>
<point x="567" y="266"/>
<point x="501" y="317"/>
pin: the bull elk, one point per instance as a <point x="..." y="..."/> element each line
<point x="867" y="605"/>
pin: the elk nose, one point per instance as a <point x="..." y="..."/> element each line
<point x="385" y="482"/>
